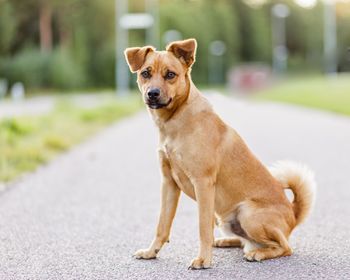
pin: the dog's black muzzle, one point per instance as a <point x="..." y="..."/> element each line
<point x="153" y="99"/>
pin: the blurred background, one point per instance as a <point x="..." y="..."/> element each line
<point x="69" y="45"/>
<point x="61" y="59"/>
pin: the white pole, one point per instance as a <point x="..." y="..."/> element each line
<point x="122" y="71"/>
<point x="330" y="37"/>
<point x="152" y="33"/>
<point x="216" y="69"/>
<point x="279" y="14"/>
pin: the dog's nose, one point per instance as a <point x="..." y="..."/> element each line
<point x="153" y="94"/>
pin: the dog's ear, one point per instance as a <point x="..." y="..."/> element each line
<point x="137" y="56"/>
<point x="184" y="50"/>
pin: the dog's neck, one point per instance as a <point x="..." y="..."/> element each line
<point x="164" y="115"/>
<point x="171" y="123"/>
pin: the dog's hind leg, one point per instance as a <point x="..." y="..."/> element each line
<point x="265" y="232"/>
<point x="229" y="239"/>
<point x="275" y="247"/>
<point x="265" y="240"/>
<point x="225" y="242"/>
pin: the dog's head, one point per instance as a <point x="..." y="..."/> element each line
<point x="163" y="76"/>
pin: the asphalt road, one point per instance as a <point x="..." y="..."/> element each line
<point x="83" y="215"/>
<point x="40" y="105"/>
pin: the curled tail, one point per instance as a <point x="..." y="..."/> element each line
<point x="300" y="179"/>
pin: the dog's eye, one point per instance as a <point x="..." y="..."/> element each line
<point x="170" y="75"/>
<point x="146" y="74"/>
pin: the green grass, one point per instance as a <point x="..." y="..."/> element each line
<point x="327" y="93"/>
<point x="26" y="142"/>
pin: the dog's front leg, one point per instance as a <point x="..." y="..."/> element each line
<point x="169" y="200"/>
<point x="205" y="196"/>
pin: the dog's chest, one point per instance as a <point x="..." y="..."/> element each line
<point x="177" y="168"/>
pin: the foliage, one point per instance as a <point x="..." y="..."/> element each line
<point x="328" y="93"/>
<point x="28" y="66"/>
<point x="64" y="72"/>
<point x="83" y="37"/>
<point x="344" y="44"/>
<point x="35" y="69"/>
<point x="254" y="33"/>
<point x="306" y="47"/>
<point x="7" y="26"/>
<point x="194" y="25"/>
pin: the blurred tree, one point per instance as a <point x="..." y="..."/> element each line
<point x="79" y="35"/>
<point x="343" y="33"/>
<point x="205" y="22"/>
<point x="45" y="25"/>
<point x="20" y="14"/>
<point x="8" y="25"/>
<point x="255" y="32"/>
<point x="94" y="40"/>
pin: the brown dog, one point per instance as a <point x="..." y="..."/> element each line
<point x="206" y="159"/>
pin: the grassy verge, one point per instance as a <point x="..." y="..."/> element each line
<point x="26" y="142"/>
<point x="327" y="93"/>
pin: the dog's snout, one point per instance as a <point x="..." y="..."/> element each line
<point x="153" y="94"/>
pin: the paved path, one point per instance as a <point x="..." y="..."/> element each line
<point x="39" y="105"/>
<point x="83" y="215"/>
<point x="31" y="106"/>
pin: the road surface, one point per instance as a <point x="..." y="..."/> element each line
<point x="40" y="105"/>
<point x="83" y="215"/>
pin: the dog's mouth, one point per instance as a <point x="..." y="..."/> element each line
<point x="157" y="105"/>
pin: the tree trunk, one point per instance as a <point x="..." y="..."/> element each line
<point x="64" y="32"/>
<point x="45" y="26"/>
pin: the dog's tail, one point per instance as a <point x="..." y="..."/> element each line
<point x="300" y="179"/>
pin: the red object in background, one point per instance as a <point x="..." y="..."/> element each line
<point x="249" y="77"/>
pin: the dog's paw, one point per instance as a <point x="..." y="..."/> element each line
<point x="145" y="254"/>
<point x="200" y="263"/>
<point x="254" y="256"/>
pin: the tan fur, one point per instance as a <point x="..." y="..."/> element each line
<point x="207" y="160"/>
<point x="300" y="180"/>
